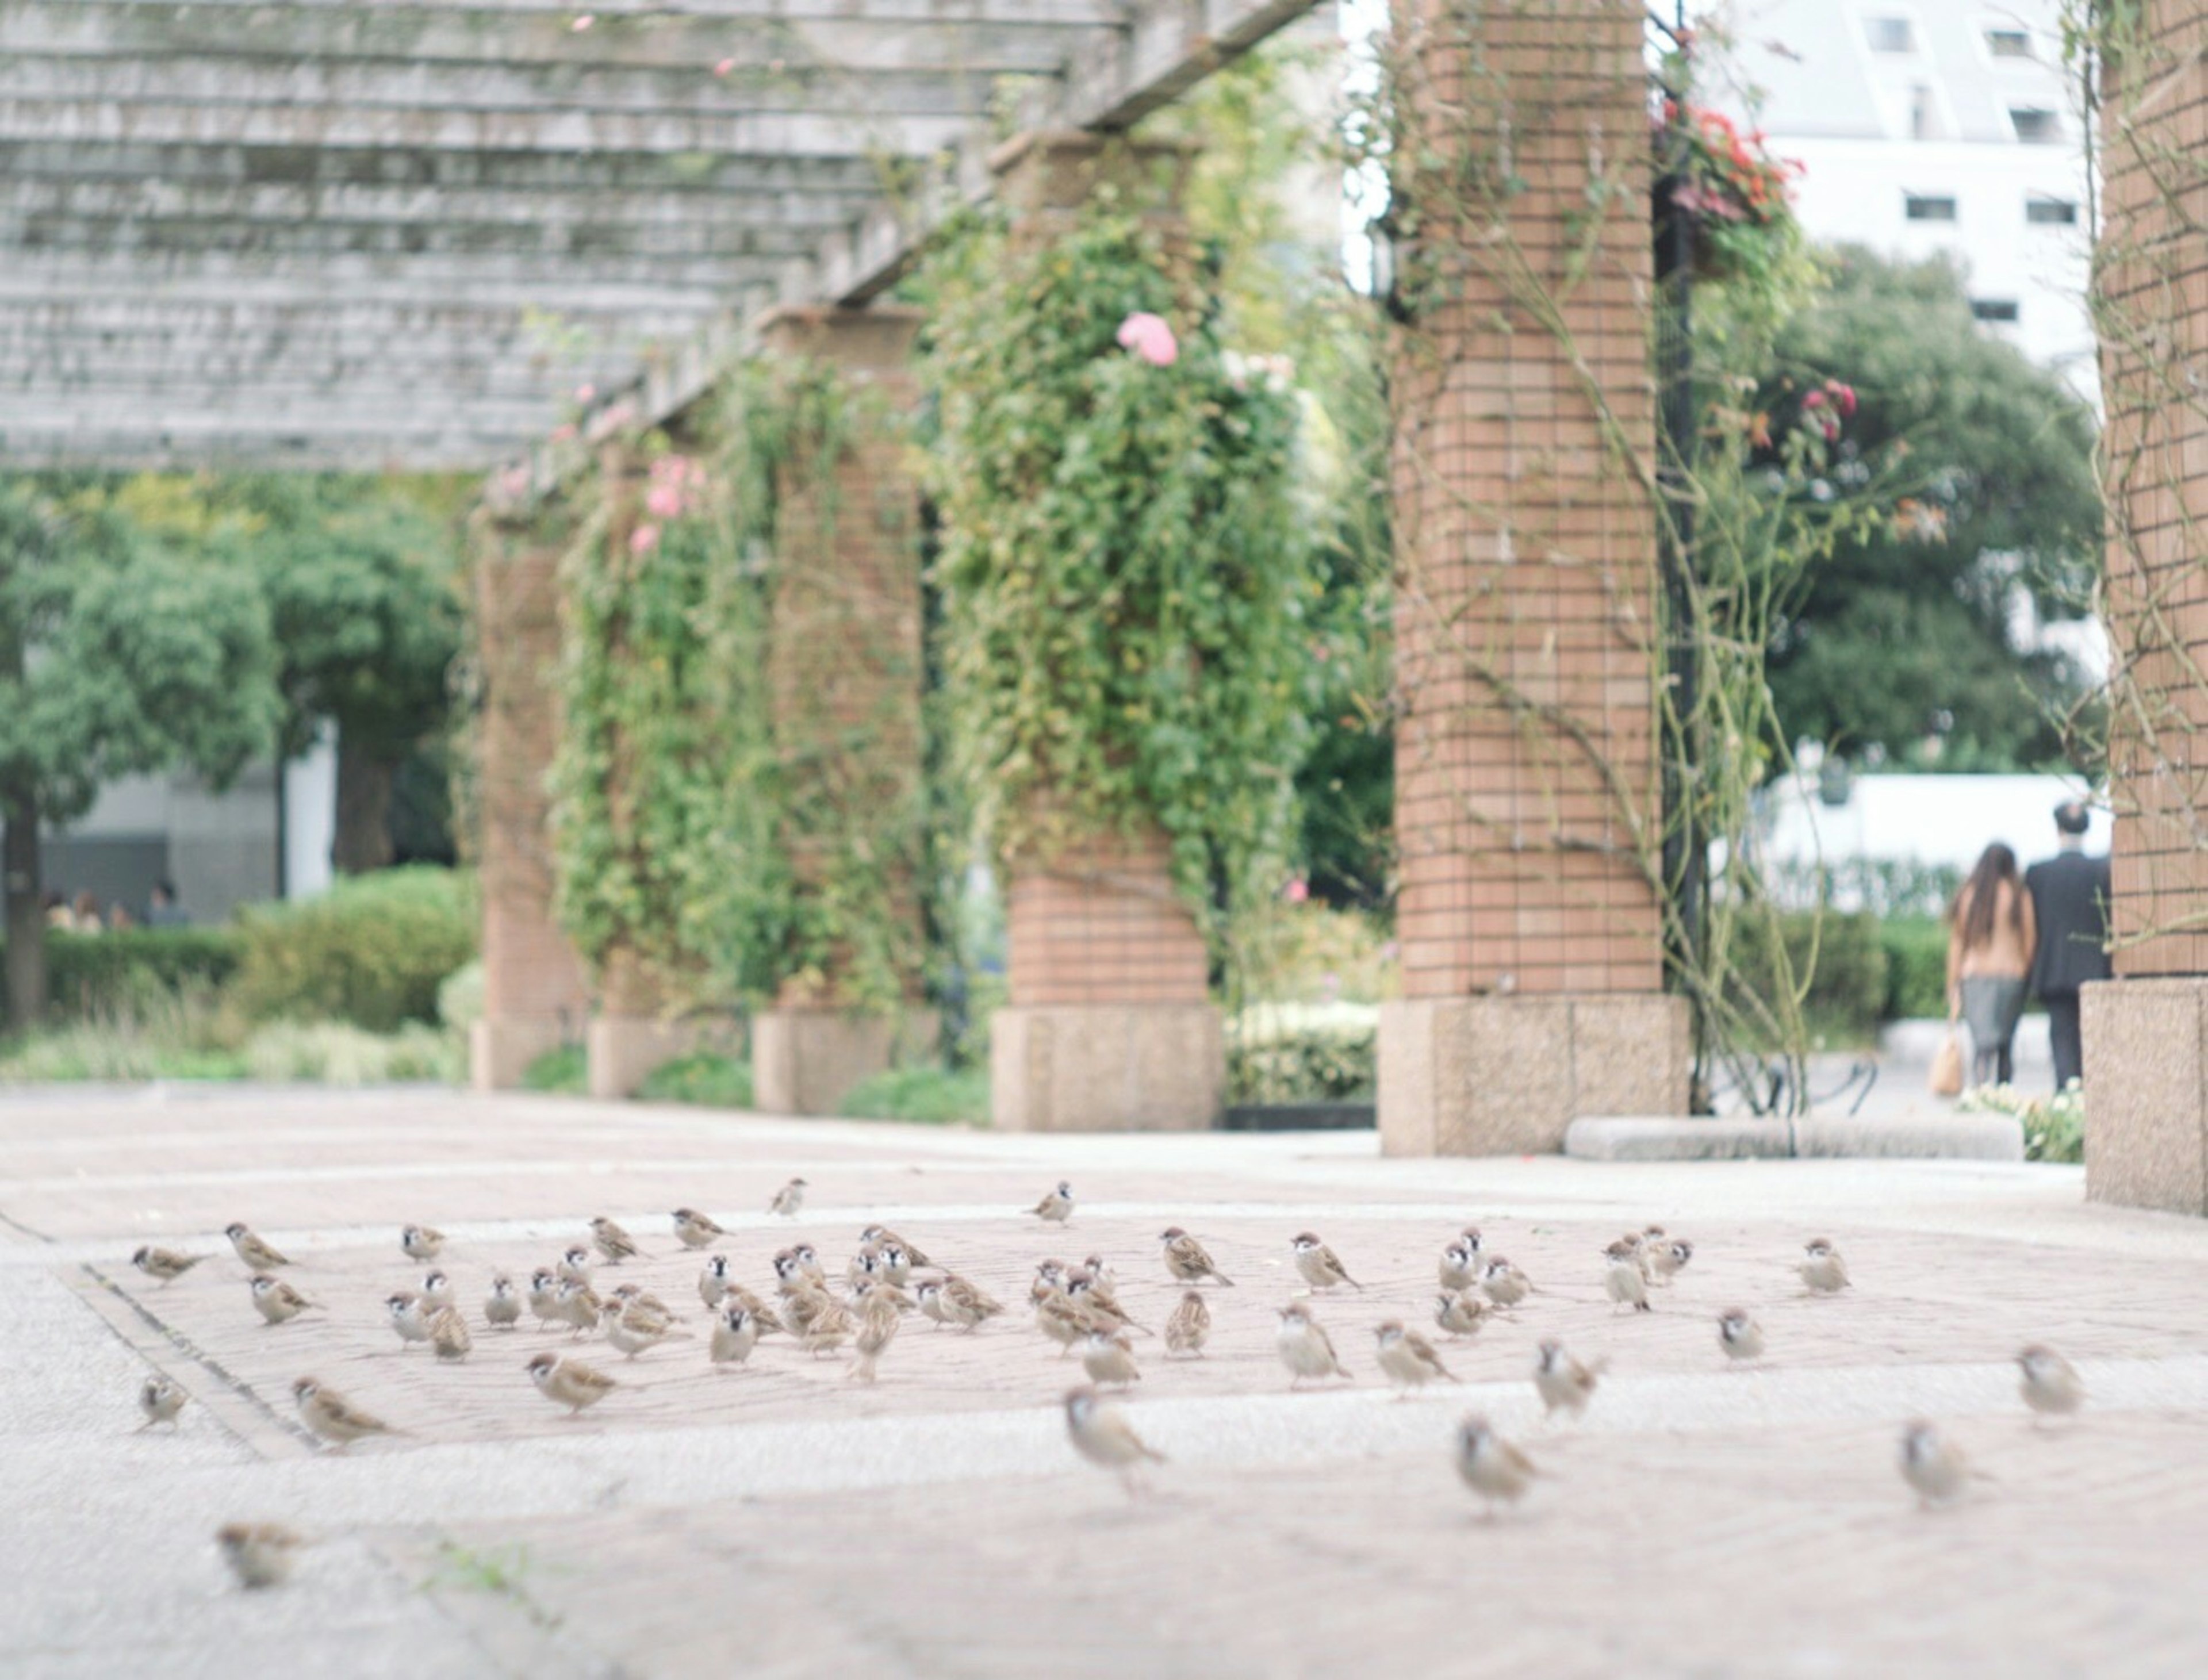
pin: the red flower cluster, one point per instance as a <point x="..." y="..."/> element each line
<point x="1725" y="175"/>
<point x="1828" y="406"/>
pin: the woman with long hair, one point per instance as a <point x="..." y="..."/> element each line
<point x="1991" y="936"/>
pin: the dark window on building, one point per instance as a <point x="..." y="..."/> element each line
<point x="1922" y="208"/>
<point x="2008" y="43"/>
<point x="1891" y="34"/>
<point x="2037" y="128"/>
<point x="2051" y="212"/>
<point x="1994" y="309"/>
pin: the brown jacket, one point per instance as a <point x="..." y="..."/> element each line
<point x="2005" y="952"/>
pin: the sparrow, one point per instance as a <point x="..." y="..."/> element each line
<point x="1056" y="1208"/>
<point x="1109" y="1358"/>
<point x="1459" y="1268"/>
<point x="1049" y="1280"/>
<point x="1459" y="1312"/>
<point x="1740" y="1335"/>
<point x="2051" y="1386"/>
<point x="160" y="1400"/>
<point x="1086" y="1290"/>
<point x="278" y="1300"/>
<point x="569" y="1383"/>
<point x="882" y="1233"/>
<point x="1502" y="1283"/>
<point x="809" y="1263"/>
<point x="828" y="1326"/>
<point x="1935" y="1466"/>
<point x="165" y="1265"/>
<point x="1563" y="1382"/>
<point x="879" y="1319"/>
<point x="1190" y="1326"/>
<point x="1320" y="1266"/>
<point x="257" y="1254"/>
<point x="694" y="1230"/>
<point x="1064" y="1320"/>
<point x="1821" y="1267"/>
<point x="331" y="1416"/>
<point x="259" y="1553"/>
<point x="865" y="1262"/>
<point x="437" y="1289"/>
<point x="449" y="1334"/>
<point x="762" y="1315"/>
<point x="893" y="1261"/>
<point x="574" y="1265"/>
<point x="407" y="1316"/>
<point x="642" y="1324"/>
<point x="503" y="1307"/>
<point x="421" y="1242"/>
<point x="1491" y="1466"/>
<point x="1671" y="1258"/>
<point x="1305" y="1346"/>
<point x="713" y="1280"/>
<point x="958" y="1302"/>
<point x="1102" y="1270"/>
<point x="1100" y="1433"/>
<point x="1407" y="1359"/>
<point x="543" y="1298"/>
<point x="1622" y="1280"/>
<point x="577" y="1307"/>
<point x="788" y="1199"/>
<point x="1186" y="1258"/>
<point x="736" y="1333"/>
<point x="626" y="1295"/>
<point x="616" y="1243"/>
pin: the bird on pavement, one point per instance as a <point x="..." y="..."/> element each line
<point x="569" y="1382"/>
<point x="1491" y="1466"/>
<point x="1056" y="1208"/>
<point x="1305" y="1346"/>
<point x="1187" y="1259"/>
<point x="263" y="1257"/>
<point x="1320" y="1266"/>
<point x="330" y="1415"/>
<point x="1407" y="1359"/>
<point x="1100" y="1433"/>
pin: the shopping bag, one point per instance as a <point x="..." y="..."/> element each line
<point x="1948" y="1066"/>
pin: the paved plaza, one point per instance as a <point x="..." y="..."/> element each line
<point x="781" y="1520"/>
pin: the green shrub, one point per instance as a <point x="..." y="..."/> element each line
<point x="1916" y="967"/>
<point x="922" y="1096"/>
<point x="461" y="999"/>
<point x="333" y="1053"/>
<point x="163" y="1034"/>
<point x="373" y="951"/>
<point x="1279" y="1053"/>
<point x="1842" y="960"/>
<point x="89" y="975"/>
<point x="562" y="1072"/>
<point x="712" y="1081"/>
<point x="2053" y="1126"/>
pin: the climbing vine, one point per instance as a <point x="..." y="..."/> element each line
<point x="1124" y="562"/>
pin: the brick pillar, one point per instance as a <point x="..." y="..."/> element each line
<point x="2147" y="1031"/>
<point x="1110" y="1024"/>
<point x="1533" y="967"/>
<point x="845" y="657"/>
<point x="533" y="994"/>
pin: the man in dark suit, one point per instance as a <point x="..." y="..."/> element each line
<point x="2070" y="901"/>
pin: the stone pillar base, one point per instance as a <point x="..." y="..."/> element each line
<point x="1508" y="1075"/>
<point x="807" y="1061"/>
<point x="624" y="1050"/>
<point x="2146" y="1090"/>
<point x="1107" y="1067"/>
<point x="501" y="1049"/>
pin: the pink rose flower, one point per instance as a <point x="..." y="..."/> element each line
<point x="583" y="23"/>
<point x="1299" y="890"/>
<point x="663" y="502"/>
<point x="1149" y="338"/>
<point x="1815" y="399"/>
<point x="644" y="539"/>
<point x="724" y="67"/>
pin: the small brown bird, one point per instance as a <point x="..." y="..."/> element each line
<point x="1064" y="1320"/>
<point x="642" y="1324"/>
<point x="1305" y="1346"/>
<point x="449" y="1334"/>
<point x="1085" y="1289"/>
<point x="1459" y="1267"/>
<point x="737" y="1294"/>
<point x="808" y="1263"/>
<point x="1502" y="1283"/>
<point x="2051" y="1385"/>
<point x="1671" y="1258"/>
<point x="331" y="1416"/>
<point x="878" y="1319"/>
<point x="616" y="1243"/>
<point x="261" y="1554"/>
<point x="1623" y="1279"/>
<point x="958" y="1302"/>
<point x="1936" y="1466"/>
<point x="828" y="1325"/>
<point x="165" y="1265"/>
<point x="261" y="1255"/>
<point x="1056" y="1208"/>
<point x="1049" y="1280"/>
<point x="882" y="1233"/>
<point x="160" y="1400"/>
<point x="503" y="1307"/>
<point x="577" y="1307"/>
<point x="713" y="1280"/>
<point x="1100" y="1433"/>
<point x="1190" y="1326"/>
<point x="409" y="1316"/>
<point x="437" y="1289"/>
<point x="569" y="1383"/>
<point x="1459" y="1312"/>
<point x="1740" y="1335"/>
<point x="1319" y="1265"/>
<point x="421" y="1242"/>
<point x="1187" y="1260"/>
<point x="1491" y="1466"/>
<point x="736" y="1333"/>
<point x="1563" y="1382"/>
<point x="1109" y="1358"/>
<point x="1407" y="1359"/>
<point x="278" y="1301"/>
<point x="545" y="1298"/>
<point x="1821" y="1267"/>
<point x="891" y="1262"/>
<point x="788" y="1199"/>
<point x="694" y="1230"/>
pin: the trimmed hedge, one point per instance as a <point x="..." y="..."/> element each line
<point x="99" y="973"/>
<point x="1848" y="987"/>
<point x="372" y="951"/>
<point x="1916" y="967"/>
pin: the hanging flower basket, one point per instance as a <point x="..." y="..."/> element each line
<point x="1733" y="194"/>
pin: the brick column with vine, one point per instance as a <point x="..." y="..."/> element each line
<point x="1523" y="462"/>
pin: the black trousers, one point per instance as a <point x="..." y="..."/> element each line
<point x="2062" y="1033"/>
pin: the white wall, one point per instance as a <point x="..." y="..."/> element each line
<point x="1925" y="820"/>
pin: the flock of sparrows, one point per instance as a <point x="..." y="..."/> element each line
<point x="1077" y="1307"/>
